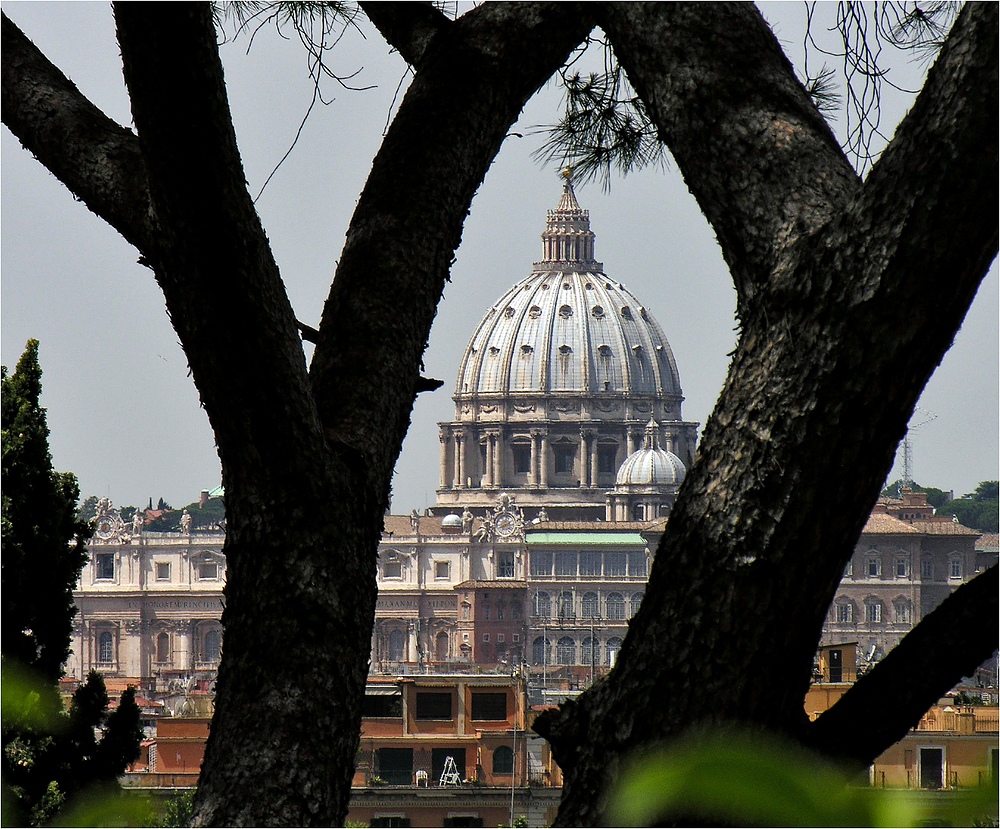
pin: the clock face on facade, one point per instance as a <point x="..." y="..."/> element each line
<point x="105" y="529"/>
<point x="505" y="524"/>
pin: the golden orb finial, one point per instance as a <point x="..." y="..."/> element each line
<point x="567" y="173"/>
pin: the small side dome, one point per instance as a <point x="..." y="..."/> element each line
<point x="650" y="466"/>
<point x="451" y="523"/>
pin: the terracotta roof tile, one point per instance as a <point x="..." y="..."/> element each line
<point x="988" y="542"/>
<point x="879" y="523"/>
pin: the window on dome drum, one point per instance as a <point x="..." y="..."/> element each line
<point x="505" y="565"/>
<point x="105" y="564"/>
<point x="564" y="455"/>
<point x="873" y="612"/>
<point x="638" y="512"/>
<point x="106" y="647"/>
<point x="616" y="606"/>
<point x="606" y="455"/>
<point x="566" y="651"/>
<point x="503" y="760"/>
<point x="208" y="571"/>
<point x="614" y="645"/>
<point x="901" y="568"/>
<point x="874" y="567"/>
<point x="442" y="569"/>
<point x="566" y="610"/>
<point x="392" y="570"/>
<point x="541" y="651"/>
<point x="614" y="564"/>
<point x="590" y="564"/>
<point x="433" y="705"/>
<point x="541" y="563"/>
<point x="543" y="605"/>
<point x="845" y="613"/>
<point x="637" y="564"/>
<point x="489" y="706"/>
<point x="163" y="571"/>
<point x="591" y="606"/>
<point x="382" y="707"/>
<point x="566" y="563"/>
<point x="522" y="458"/>
<point x="956" y="568"/>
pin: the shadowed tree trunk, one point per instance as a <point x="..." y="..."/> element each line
<point x="848" y="293"/>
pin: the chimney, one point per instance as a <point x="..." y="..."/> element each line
<point x="203" y="499"/>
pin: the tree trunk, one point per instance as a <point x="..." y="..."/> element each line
<point x="849" y="294"/>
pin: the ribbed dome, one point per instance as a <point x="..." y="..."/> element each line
<point x="650" y="466"/>
<point x="568" y="327"/>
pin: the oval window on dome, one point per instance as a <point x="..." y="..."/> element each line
<point x="604" y="351"/>
<point x="494" y="351"/>
<point x="508" y="312"/>
<point x="534" y="312"/>
<point x="545" y="286"/>
<point x="626" y="312"/>
<point x="643" y="314"/>
<point x="565" y="312"/>
<point x="565" y="349"/>
<point x="566" y="286"/>
<point x="589" y="286"/>
<point x="597" y="311"/>
<point x="526" y="350"/>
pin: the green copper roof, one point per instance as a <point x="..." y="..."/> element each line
<point x="597" y="539"/>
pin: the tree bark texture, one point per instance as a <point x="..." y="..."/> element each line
<point x="306" y="476"/>
<point x="839" y="286"/>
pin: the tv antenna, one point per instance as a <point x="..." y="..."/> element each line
<point x="925" y="417"/>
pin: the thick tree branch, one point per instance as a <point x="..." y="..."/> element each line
<point x="755" y="152"/>
<point x="97" y="159"/>
<point x="407" y="27"/>
<point x="467" y="92"/>
<point x="945" y="646"/>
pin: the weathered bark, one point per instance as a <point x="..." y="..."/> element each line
<point x="306" y="476"/>
<point x="843" y="319"/>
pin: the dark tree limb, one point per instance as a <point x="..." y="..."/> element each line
<point x="948" y="644"/>
<point x="408" y="27"/>
<point x="97" y="159"/>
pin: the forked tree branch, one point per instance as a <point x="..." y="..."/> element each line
<point x="408" y="27"/>
<point x="945" y="646"/>
<point x="96" y="158"/>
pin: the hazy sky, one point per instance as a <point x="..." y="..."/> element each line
<point x="125" y="415"/>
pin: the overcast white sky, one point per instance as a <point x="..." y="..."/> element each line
<point x="125" y="416"/>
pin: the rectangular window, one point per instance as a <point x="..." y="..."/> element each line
<point x="590" y="564"/>
<point x="541" y="563"/>
<point x="637" y="564"/>
<point x="927" y="569"/>
<point x="489" y="706"/>
<point x="462" y="820"/>
<point x="565" y="563"/>
<point x="442" y="569"/>
<point x="874" y="567"/>
<point x="208" y="572"/>
<point x="902" y="612"/>
<point x="486" y="637"/>
<point x="392" y="570"/>
<point x="382" y="707"/>
<point x="516" y="637"/>
<point x="105" y="563"/>
<point x="956" y="568"/>
<point x="849" y="569"/>
<point x="505" y="565"/>
<point x="875" y="612"/>
<point x="615" y="564"/>
<point x="844" y="613"/>
<point x="162" y="571"/>
<point x="432" y="705"/>
<point x="501" y="637"/>
<point x="395" y="765"/>
<point x="564" y="456"/>
<point x="389" y="820"/>
<point x="900" y="568"/>
<point x="522" y="458"/>
<point x="606" y="454"/>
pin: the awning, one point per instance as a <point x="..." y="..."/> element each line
<point x="382" y="691"/>
<point x="605" y="539"/>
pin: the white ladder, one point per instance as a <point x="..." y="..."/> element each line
<point x="449" y="774"/>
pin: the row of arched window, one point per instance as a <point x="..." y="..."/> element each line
<point x="568" y="652"/>
<point x="208" y="647"/>
<point x="873" y="611"/>
<point x="564" y="605"/>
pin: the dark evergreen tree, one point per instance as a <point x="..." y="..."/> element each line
<point x="48" y="756"/>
